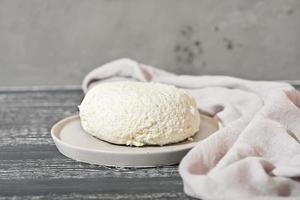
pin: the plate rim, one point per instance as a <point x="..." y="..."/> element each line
<point x="68" y="149"/>
<point x="59" y="125"/>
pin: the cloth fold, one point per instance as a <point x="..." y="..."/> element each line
<point x="256" y="153"/>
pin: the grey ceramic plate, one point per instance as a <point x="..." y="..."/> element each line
<point x="73" y="142"/>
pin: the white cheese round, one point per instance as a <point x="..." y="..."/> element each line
<point x="139" y="113"/>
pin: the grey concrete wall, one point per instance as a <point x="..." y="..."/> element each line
<point x="55" y="42"/>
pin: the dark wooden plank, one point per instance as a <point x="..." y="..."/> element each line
<point x="90" y="185"/>
<point x="31" y="166"/>
<point x="105" y="196"/>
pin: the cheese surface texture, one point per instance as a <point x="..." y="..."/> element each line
<point x="139" y="113"/>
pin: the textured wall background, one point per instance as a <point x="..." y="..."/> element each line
<point x="57" y="41"/>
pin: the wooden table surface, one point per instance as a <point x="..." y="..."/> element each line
<point x="32" y="168"/>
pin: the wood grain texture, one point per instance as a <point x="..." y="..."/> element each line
<point x="32" y="168"/>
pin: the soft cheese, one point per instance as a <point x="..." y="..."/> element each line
<point x="139" y="113"/>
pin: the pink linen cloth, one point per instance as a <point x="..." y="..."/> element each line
<point x="256" y="153"/>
